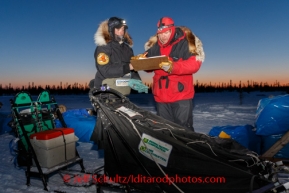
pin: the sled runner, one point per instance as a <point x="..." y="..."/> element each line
<point x="156" y="155"/>
<point x="44" y="148"/>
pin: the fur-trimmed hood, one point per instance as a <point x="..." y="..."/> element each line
<point x="195" y="44"/>
<point x="102" y="36"/>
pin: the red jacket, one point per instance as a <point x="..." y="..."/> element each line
<point x="178" y="85"/>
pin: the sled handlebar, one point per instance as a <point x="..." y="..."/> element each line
<point x="102" y="90"/>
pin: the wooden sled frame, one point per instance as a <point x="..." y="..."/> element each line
<point x="269" y="154"/>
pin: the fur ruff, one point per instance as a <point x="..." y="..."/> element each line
<point x="102" y="36"/>
<point x="195" y="44"/>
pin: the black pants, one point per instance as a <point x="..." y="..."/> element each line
<point x="180" y="112"/>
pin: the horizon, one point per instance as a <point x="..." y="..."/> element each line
<point x="85" y="85"/>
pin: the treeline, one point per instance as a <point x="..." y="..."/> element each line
<point x="77" y="89"/>
<point x="250" y="86"/>
<point x="35" y="90"/>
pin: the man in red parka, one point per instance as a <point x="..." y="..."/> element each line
<point x="173" y="87"/>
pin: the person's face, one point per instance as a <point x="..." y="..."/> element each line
<point x="164" y="37"/>
<point x="119" y="32"/>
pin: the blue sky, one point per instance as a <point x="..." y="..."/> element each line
<point x="51" y="41"/>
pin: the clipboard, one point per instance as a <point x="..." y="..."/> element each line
<point x="150" y="63"/>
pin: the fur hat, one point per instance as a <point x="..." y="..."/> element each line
<point x="195" y="44"/>
<point x="102" y="35"/>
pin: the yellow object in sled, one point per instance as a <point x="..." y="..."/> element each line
<point x="224" y="135"/>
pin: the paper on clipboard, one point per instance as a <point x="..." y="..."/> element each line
<point x="150" y="63"/>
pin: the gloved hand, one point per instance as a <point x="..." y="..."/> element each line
<point x="140" y="56"/>
<point x="167" y="66"/>
<point x="138" y="85"/>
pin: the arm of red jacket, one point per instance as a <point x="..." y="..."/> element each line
<point x="189" y="66"/>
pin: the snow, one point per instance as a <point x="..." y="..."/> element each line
<point x="210" y="109"/>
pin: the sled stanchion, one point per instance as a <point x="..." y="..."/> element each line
<point x="80" y="162"/>
<point x="114" y="152"/>
<point x="32" y="155"/>
<point x="113" y="148"/>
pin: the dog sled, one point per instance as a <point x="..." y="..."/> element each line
<point x="42" y="148"/>
<point x="146" y="152"/>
